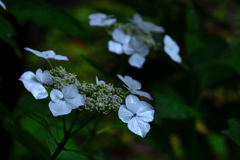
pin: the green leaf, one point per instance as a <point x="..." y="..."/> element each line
<point x="6" y="34"/>
<point x="97" y="155"/>
<point x="233" y="130"/>
<point x="47" y="16"/>
<point x="192" y="19"/>
<point x="21" y="135"/>
<point x="168" y="104"/>
<point x="193" y="43"/>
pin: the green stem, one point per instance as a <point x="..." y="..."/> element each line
<point x="84" y="124"/>
<point x="68" y="135"/>
<point x="50" y="63"/>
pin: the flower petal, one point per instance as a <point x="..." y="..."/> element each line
<point x="37" y="53"/>
<point x="115" y="47"/>
<point x="145" y="111"/>
<point x="148" y="26"/>
<point x="131" y="101"/>
<point x="109" y="21"/>
<point x="39" y="75"/>
<point x="171" y="48"/>
<point x="28" y="78"/>
<point x="3" y="5"/>
<point x="132" y="83"/>
<point x="75" y="102"/>
<point x="136" y="60"/>
<point x="139" y="127"/>
<point x="56" y="95"/>
<point x="142" y="93"/>
<point x="124" y="114"/>
<point x="118" y="35"/>
<point x="59" y="108"/>
<point x="38" y="91"/>
<point x="99" y="82"/>
<point x="97" y="16"/>
<point x="60" y="57"/>
<point x="47" y="77"/>
<point x="70" y="91"/>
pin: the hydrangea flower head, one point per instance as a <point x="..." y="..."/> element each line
<point x="147" y="27"/>
<point x="133" y="86"/>
<point x="63" y="102"/>
<point x="50" y="54"/>
<point x="35" y="83"/>
<point x="172" y="49"/>
<point x="136" y="114"/>
<point x="120" y="43"/>
<point x="100" y="19"/>
<point x="2" y="5"/>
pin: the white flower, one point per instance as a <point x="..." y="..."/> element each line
<point x="147" y="27"/>
<point x="172" y="49"/>
<point x="136" y="114"/>
<point x="50" y="54"/>
<point x="35" y="83"/>
<point x="2" y="5"/>
<point x="100" y="19"/>
<point x="63" y="102"/>
<point x="138" y="50"/>
<point x="133" y="86"/>
<point x="99" y="82"/>
<point x="120" y="43"/>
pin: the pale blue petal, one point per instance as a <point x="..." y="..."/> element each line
<point x="28" y="78"/>
<point x="60" y="57"/>
<point x="136" y="60"/>
<point x="139" y="127"/>
<point x="39" y="75"/>
<point x="145" y="111"/>
<point x="97" y="16"/>
<point x="56" y="95"/>
<point x="124" y="114"/>
<point x="3" y="5"/>
<point x="171" y="48"/>
<point x="99" y="82"/>
<point x="75" y="102"/>
<point x="37" y="53"/>
<point x="70" y="91"/>
<point x="47" y="77"/>
<point x="148" y="26"/>
<point x="119" y="36"/>
<point x="132" y="83"/>
<point x="142" y="93"/>
<point x="59" y="108"/>
<point x="127" y="49"/>
<point x="115" y="47"/>
<point x="38" y="91"/>
<point x="109" y="21"/>
<point x="131" y="101"/>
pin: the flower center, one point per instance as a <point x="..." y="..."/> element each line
<point x="134" y="115"/>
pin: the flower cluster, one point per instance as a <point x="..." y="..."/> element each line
<point x="67" y="93"/>
<point x="135" y="38"/>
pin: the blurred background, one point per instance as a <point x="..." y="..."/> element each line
<point x="196" y="102"/>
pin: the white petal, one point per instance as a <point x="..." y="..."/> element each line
<point x="137" y="18"/>
<point x="75" y="102"/>
<point x="38" y="91"/>
<point x="37" y="53"/>
<point x="59" y="108"/>
<point x="132" y="83"/>
<point x="124" y="114"/>
<point x="70" y="91"/>
<point x="171" y="48"/>
<point x="99" y="82"/>
<point x="3" y="5"/>
<point x="47" y="77"/>
<point x="56" y="95"/>
<point x="60" y="57"/>
<point x="127" y="49"/>
<point x="115" y="47"/>
<point x="109" y="21"/>
<point x="139" y="127"/>
<point x="137" y="44"/>
<point x="145" y="111"/>
<point x="121" y="77"/>
<point x="119" y="36"/>
<point x="142" y="93"/>
<point x="97" y="16"/>
<point x="49" y="53"/>
<point x="96" y="22"/>
<point x="28" y="78"/>
<point x="131" y="102"/>
<point x="148" y="26"/>
<point x="39" y="75"/>
<point x="136" y="60"/>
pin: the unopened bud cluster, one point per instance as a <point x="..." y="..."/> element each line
<point x="104" y="98"/>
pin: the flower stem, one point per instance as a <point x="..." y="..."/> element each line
<point x="68" y="135"/>
<point x="50" y="63"/>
